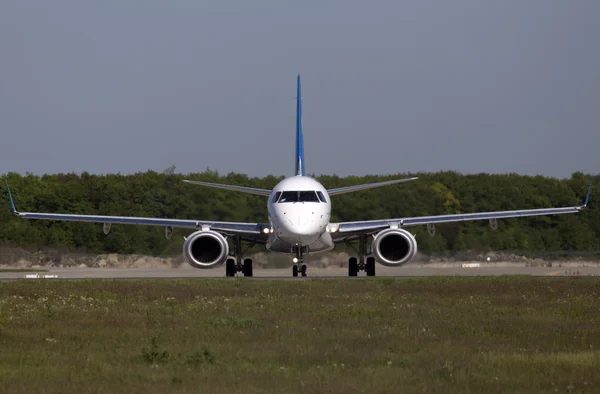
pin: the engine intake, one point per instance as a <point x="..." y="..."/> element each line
<point x="205" y="249"/>
<point x="394" y="247"/>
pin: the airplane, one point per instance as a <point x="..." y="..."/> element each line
<point x="299" y="214"/>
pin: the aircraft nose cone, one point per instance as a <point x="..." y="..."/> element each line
<point x="307" y="229"/>
<point x="304" y="224"/>
<point x="297" y="224"/>
<point x="301" y="229"/>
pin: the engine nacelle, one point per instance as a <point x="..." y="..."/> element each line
<point x="205" y="249"/>
<point x="394" y="247"/>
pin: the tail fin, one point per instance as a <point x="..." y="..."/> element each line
<point x="299" y="139"/>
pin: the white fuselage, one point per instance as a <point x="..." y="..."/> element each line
<point x="299" y="211"/>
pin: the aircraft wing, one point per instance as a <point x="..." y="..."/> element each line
<point x="345" y="230"/>
<point x="253" y="231"/>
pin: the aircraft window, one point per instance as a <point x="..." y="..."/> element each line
<point x="289" y="197"/>
<point x="321" y="196"/>
<point x="276" y="197"/>
<point x="299" y="196"/>
<point x="308" y="196"/>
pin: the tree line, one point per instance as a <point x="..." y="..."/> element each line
<point x="165" y="195"/>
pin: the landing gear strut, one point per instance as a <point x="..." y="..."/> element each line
<point x="299" y="266"/>
<point x="238" y="264"/>
<point x="361" y="263"/>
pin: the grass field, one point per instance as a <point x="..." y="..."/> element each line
<point x="434" y="335"/>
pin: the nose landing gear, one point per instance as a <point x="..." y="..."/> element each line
<point x="299" y="267"/>
<point x="299" y="270"/>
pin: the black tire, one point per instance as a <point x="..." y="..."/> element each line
<point x="295" y="270"/>
<point x="370" y="268"/>
<point x="303" y="269"/>
<point x="352" y="266"/>
<point x="230" y="267"/>
<point x="247" y="267"/>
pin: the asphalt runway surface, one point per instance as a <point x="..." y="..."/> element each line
<point x="315" y="273"/>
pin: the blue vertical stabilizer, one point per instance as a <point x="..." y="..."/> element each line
<point x="299" y="139"/>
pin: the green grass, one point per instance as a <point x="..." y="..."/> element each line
<point x="434" y="335"/>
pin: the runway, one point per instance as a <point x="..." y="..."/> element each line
<point x="314" y="273"/>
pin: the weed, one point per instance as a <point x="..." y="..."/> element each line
<point x="154" y="355"/>
<point x="198" y="358"/>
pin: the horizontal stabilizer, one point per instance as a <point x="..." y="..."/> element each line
<point x="243" y="189"/>
<point x="349" y="189"/>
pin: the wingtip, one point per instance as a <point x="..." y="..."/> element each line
<point x="12" y="202"/>
<point x="408" y="179"/>
<point x="587" y="197"/>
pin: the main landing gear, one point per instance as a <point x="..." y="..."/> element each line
<point x="361" y="263"/>
<point x="299" y="267"/>
<point x="238" y="264"/>
<point x="232" y="267"/>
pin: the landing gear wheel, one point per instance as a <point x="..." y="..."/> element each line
<point x="303" y="269"/>
<point x="352" y="266"/>
<point x="370" y="268"/>
<point x="247" y="268"/>
<point x="230" y="267"/>
<point x="295" y="270"/>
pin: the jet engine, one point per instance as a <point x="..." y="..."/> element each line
<point x="205" y="249"/>
<point x="394" y="247"/>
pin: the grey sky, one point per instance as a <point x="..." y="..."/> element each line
<point x="388" y="86"/>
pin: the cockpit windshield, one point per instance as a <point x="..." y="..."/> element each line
<point x="308" y="196"/>
<point x="289" y="197"/>
<point x="299" y="196"/>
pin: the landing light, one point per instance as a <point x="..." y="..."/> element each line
<point x="295" y="259"/>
